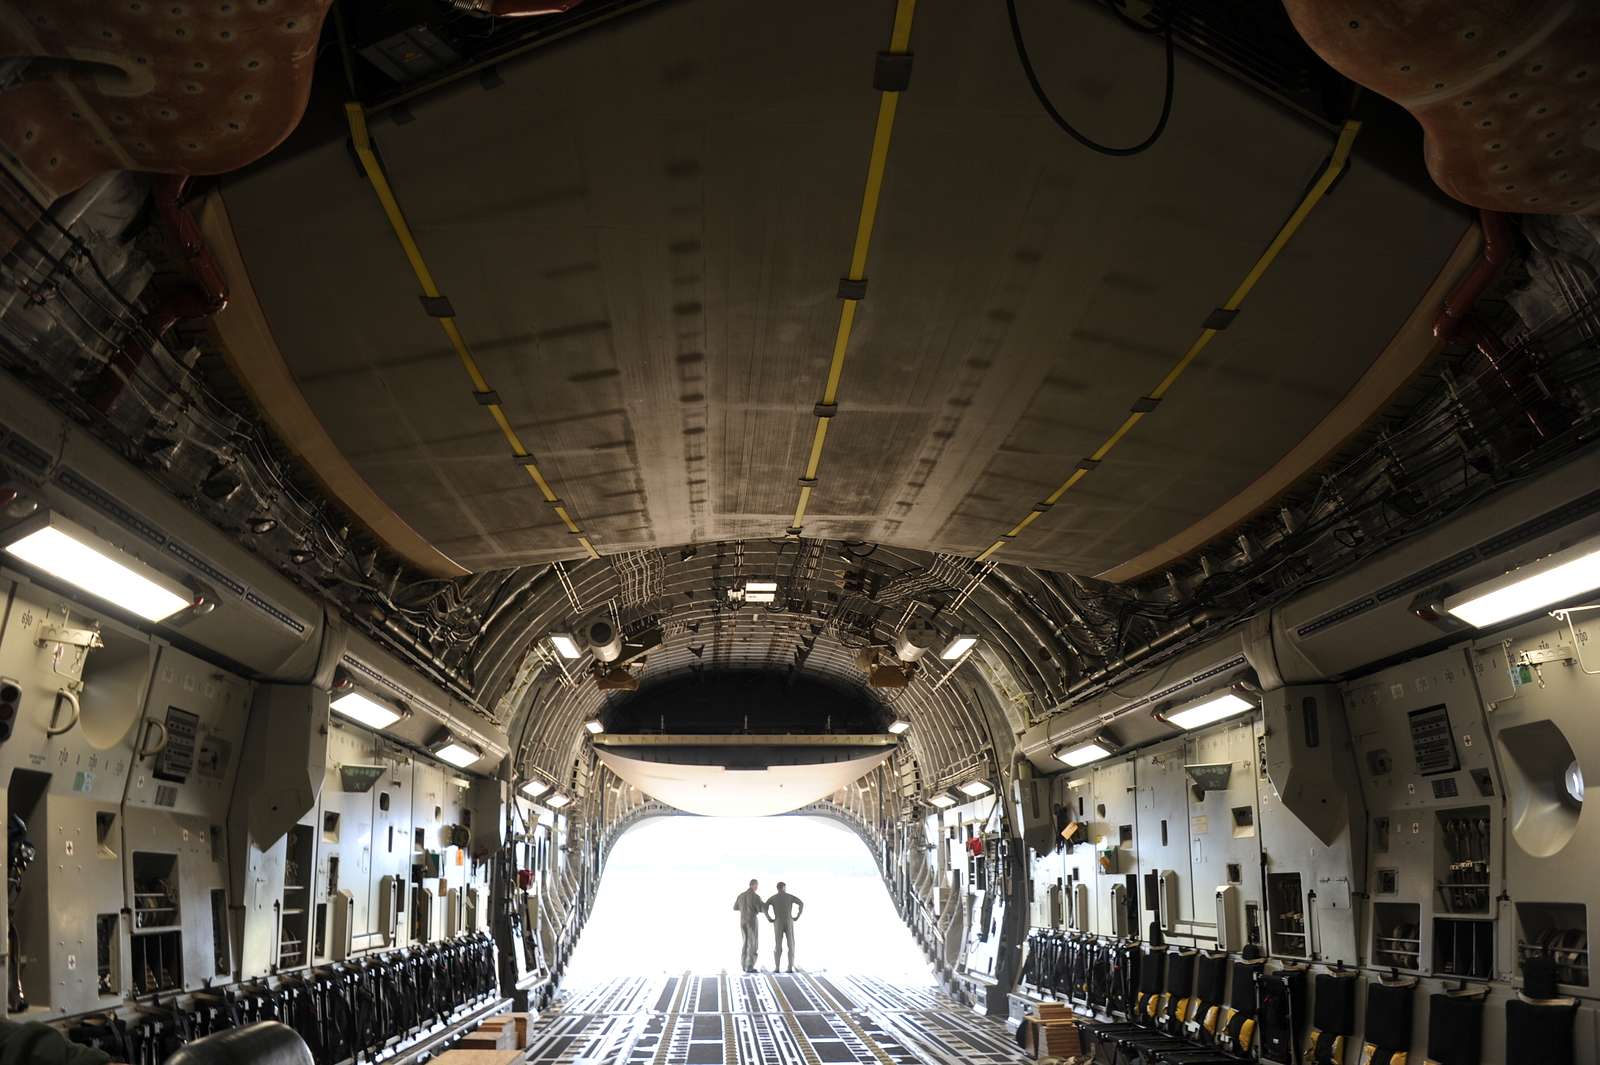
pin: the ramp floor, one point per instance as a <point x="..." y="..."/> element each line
<point x="765" y="1019"/>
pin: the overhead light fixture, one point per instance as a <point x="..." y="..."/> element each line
<point x="1552" y="579"/>
<point x="760" y="586"/>
<point x="360" y="707"/>
<point x="595" y="726"/>
<point x="558" y="800"/>
<point x="899" y="726"/>
<point x="69" y="552"/>
<point x="566" y="645"/>
<point x="942" y="800"/>
<point x="535" y="788"/>
<point x="457" y="753"/>
<point x="974" y="788"/>
<point x="957" y="647"/>
<point x="760" y="597"/>
<point x="1204" y="711"/>
<point x="1078" y="754"/>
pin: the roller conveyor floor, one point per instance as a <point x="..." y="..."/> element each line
<point x="802" y="1018"/>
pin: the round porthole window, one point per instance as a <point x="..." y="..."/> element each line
<point x="1573" y="779"/>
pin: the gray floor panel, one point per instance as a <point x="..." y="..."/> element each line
<point x="799" y="1019"/>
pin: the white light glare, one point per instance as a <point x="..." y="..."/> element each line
<point x="957" y="647"/>
<point x="942" y="801"/>
<point x="1563" y="575"/>
<point x="1214" y="709"/>
<point x="1084" y="753"/>
<point x="899" y="726"/>
<point x="566" y="645"/>
<point x="71" y="554"/>
<point x="368" y="711"/>
<point x="458" y="754"/>
<point x="558" y="800"/>
<point x="975" y="788"/>
<point x="760" y="586"/>
<point x="594" y="726"/>
<point x="535" y="788"/>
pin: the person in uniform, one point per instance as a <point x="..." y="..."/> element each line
<point x="783" y="910"/>
<point x="750" y="908"/>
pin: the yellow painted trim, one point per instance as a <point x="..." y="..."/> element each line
<point x="361" y="140"/>
<point x="871" y="195"/>
<point x="1330" y="173"/>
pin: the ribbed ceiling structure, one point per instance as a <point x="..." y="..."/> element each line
<point x="834" y="601"/>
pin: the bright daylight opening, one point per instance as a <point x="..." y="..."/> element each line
<point x="665" y="902"/>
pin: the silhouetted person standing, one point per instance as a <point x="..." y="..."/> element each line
<point x="750" y="908"/>
<point x="783" y="910"/>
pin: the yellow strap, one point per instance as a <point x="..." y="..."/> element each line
<point x="877" y="162"/>
<point x="1319" y="189"/>
<point x="361" y="139"/>
<point x="1247" y="1032"/>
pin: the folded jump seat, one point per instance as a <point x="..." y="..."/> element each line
<point x="1333" y="1018"/>
<point x="1168" y="1013"/>
<point x="1386" y="1034"/>
<point x="1455" y="1027"/>
<point x="1143" y="972"/>
<point x="1204" y="1016"/>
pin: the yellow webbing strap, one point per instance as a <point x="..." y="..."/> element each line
<point x="361" y="140"/>
<point x="877" y="161"/>
<point x="1319" y="189"/>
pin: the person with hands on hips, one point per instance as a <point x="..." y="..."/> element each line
<point x="783" y="910"/>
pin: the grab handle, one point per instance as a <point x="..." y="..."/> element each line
<point x="72" y="720"/>
<point x="151" y="752"/>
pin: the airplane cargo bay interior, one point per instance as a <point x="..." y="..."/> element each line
<point x="712" y="532"/>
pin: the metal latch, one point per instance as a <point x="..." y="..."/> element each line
<point x="69" y="637"/>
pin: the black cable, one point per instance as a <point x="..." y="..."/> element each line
<point x="1060" y="120"/>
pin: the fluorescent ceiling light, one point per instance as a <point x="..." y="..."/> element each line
<point x="594" y="726"/>
<point x="1217" y="707"/>
<point x="535" y="788"/>
<point x="899" y="726"/>
<point x="1084" y="753"/>
<point x="975" y="788"/>
<point x="457" y="754"/>
<point x="566" y="645"/>
<point x="362" y="708"/>
<point x="558" y="800"/>
<point x="760" y="586"/>
<point x="1525" y="589"/>
<point x="71" y="553"/>
<point x="957" y="647"/>
<point x="942" y="801"/>
<point x="760" y="597"/>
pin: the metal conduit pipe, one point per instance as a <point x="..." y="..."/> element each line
<point x="1496" y="249"/>
<point x="1048" y="583"/>
<point x="439" y="671"/>
<point x="1016" y="654"/>
<point x="1197" y="621"/>
<point x="1025" y="602"/>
